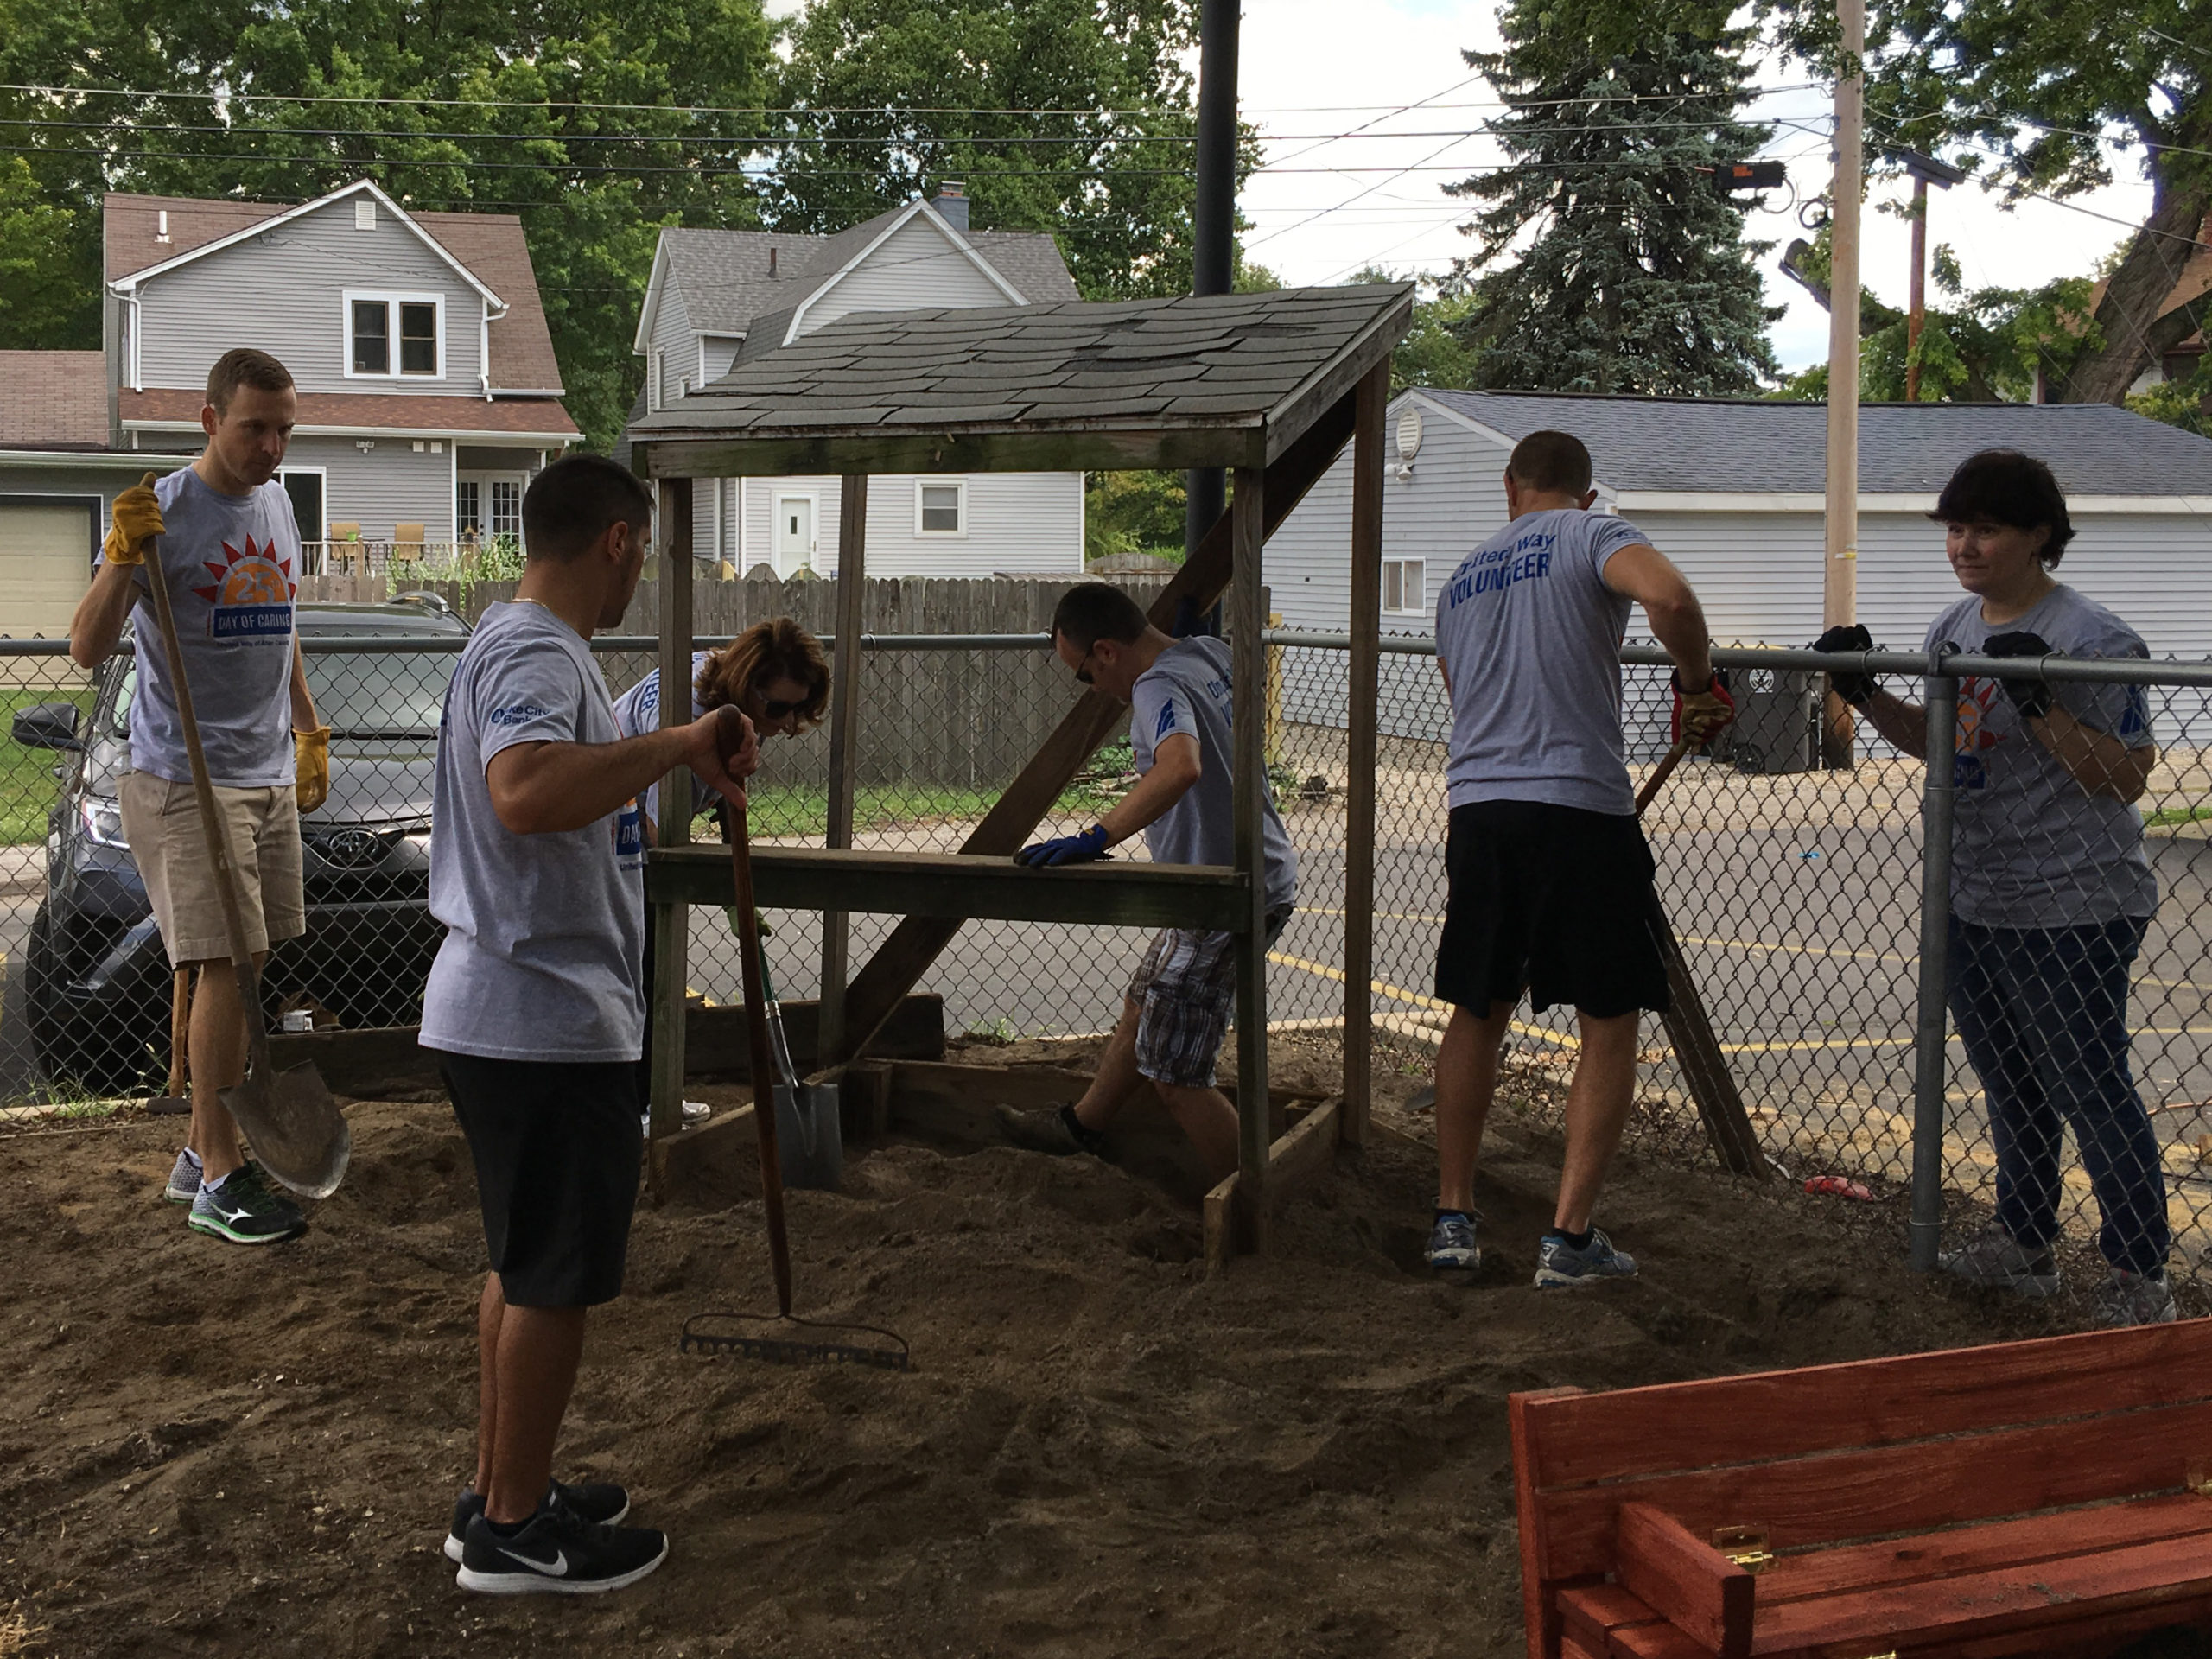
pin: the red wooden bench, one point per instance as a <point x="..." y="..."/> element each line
<point x="2029" y="1497"/>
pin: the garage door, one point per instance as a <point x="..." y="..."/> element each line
<point x="46" y="551"/>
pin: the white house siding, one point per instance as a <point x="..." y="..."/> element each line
<point x="914" y="268"/>
<point x="390" y="486"/>
<point x="280" y="291"/>
<point x="1029" y="523"/>
<point x="674" y="350"/>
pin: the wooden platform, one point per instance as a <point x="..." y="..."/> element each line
<point x="1113" y="893"/>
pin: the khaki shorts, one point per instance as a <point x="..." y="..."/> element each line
<point x="161" y="820"/>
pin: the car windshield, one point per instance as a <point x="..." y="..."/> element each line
<point x="359" y="694"/>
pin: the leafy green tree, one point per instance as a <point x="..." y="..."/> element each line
<point x="489" y="122"/>
<point x="1608" y="261"/>
<point x="888" y="98"/>
<point x="1434" y="351"/>
<point x="45" y="301"/>
<point x="2037" y="90"/>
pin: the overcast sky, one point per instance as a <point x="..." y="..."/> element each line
<point x="1311" y="68"/>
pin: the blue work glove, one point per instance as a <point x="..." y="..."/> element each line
<point x="1065" y="850"/>
<point x="2030" y="697"/>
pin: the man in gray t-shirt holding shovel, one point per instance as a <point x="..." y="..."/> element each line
<point x="227" y="548"/>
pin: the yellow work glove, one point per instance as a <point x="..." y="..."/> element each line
<point x="311" y="757"/>
<point x="136" y="521"/>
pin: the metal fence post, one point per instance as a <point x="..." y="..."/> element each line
<point x="1931" y="1073"/>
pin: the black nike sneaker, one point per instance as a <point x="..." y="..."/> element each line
<point x="245" y="1209"/>
<point x="558" y="1553"/>
<point x="599" y="1501"/>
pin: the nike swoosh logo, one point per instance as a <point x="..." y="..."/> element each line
<point x="555" y="1568"/>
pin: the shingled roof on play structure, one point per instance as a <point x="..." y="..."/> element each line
<point x="1221" y="362"/>
<point x="1760" y="446"/>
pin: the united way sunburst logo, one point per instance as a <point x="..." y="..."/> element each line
<point x="251" y="594"/>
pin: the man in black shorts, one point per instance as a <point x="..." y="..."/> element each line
<point x="535" y="1010"/>
<point x="1550" y="878"/>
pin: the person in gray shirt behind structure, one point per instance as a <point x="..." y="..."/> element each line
<point x="2050" y="891"/>
<point x="1177" y="1011"/>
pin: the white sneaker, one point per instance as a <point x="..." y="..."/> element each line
<point x="2135" y="1298"/>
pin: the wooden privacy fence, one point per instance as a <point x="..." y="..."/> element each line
<point x="963" y="719"/>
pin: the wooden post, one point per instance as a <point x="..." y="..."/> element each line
<point x="1916" y="319"/>
<point x="672" y="923"/>
<point x="1839" y="586"/>
<point x="844" y="729"/>
<point x="1360" y="741"/>
<point x="1248" y="762"/>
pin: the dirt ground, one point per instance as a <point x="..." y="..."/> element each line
<point x="207" y="1450"/>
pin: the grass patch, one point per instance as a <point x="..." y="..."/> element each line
<point x="800" y="810"/>
<point x="27" y="781"/>
<point x="2167" y="815"/>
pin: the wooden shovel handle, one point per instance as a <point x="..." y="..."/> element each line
<point x="1657" y="781"/>
<point x="763" y="1073"/>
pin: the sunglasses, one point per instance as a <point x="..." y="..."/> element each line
<point x="1082" y="668"/>
<point x="781" y="710"/>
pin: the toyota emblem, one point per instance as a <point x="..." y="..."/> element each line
<point x="354" y="848"/>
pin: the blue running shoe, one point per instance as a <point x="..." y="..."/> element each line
<point x="1560" y="1265"/>
<point x="1452" y="1246"/>
<point x="184" y="1180"/>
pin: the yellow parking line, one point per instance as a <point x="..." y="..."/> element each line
<point x="1383" y="988"/>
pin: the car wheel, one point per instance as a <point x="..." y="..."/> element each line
<point x="72" y="1051"/>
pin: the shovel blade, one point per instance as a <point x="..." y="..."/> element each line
<point x="298" y="1133"/>
<point x="809" y="1140"/>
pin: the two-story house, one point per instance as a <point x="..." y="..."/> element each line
<point x="428" y="393"/>
<point x="715" y="297"/>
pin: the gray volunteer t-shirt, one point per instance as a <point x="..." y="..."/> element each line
<point x="1532" y="638"/>
<point x="1186" y="689"/>
<point x="2030" y="847"/>
<point x="544" y="946"/>
<point x="636" y="711"/>
<point x="232" y="563"/>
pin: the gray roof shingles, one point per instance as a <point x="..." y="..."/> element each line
<point x="1758" y="447"/>
<point x="1002" y="366"/>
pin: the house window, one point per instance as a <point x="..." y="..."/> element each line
<point x="468" y="507"/>
<point x="940" y="509"/>
<point x="506" y="507"/>
<point x="1405" y="586"/>
<point x="389" y="335"/>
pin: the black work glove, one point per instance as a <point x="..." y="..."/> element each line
<point x="1857" y="689"/>
<point x="2030" y="697"/>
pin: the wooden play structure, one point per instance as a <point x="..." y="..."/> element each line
<point x="1270" y="385"/>
<point x="2052" y="1496"/>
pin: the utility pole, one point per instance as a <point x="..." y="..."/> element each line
<point x="1925" y="170"/>
<point x="1213" y="226"/>
<point x="1840" y="588"/>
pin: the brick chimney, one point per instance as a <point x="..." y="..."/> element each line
<point x="952" y="203"/>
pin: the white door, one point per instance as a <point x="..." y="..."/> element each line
<point x="794" y="533"/>
<point x="46" y="564"/>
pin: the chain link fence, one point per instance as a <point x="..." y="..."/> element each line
<point x="1795" y="890"/>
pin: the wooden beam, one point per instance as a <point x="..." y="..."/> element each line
<point x="1249" y="785"/>
<point x="902" y="959"/>
<point x="844" y="737"/>
<point x="1101" y="448"/>
<point x="956" y="886"/>
<point x="1374" y="401"/>
<point x="671" y="921"/>
<point x="1295" y="1161"/>
<point x="1704" y="1068"/>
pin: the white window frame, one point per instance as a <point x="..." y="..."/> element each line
<point x="323" y="532"/>
<point x="958" y="484"/>
<point x="656" y="374"/>
<point x="1417" y="589"/>
<point x="391" y="299"/>
<point x="810" y="560"/>
<point x="519" y="477"/>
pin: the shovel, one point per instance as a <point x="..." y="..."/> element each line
<point x="297" y="1132"/>
<point x="174" y="1102"/>
<point x="810" y="1132"/>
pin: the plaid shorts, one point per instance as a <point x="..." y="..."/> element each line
<point x="1183" y="989"/>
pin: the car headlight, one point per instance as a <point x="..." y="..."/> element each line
<point x="103" y="821"/>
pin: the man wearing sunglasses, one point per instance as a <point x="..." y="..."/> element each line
<point x="1176" y="1013"/>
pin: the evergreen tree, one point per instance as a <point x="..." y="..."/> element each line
<point x="1610" y="261"/>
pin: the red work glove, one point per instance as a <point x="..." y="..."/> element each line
<point x="1700" y="714"/>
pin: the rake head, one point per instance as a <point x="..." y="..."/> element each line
<point x="784" y="1339"/>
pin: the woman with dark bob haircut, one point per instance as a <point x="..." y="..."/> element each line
<point x="2050" y="891"/>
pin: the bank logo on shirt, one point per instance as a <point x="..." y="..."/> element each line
<point x="252" y="595"/>
<point x="1976" y="697"/>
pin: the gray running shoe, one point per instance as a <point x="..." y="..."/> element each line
<point x="2135" y="1298"/>
<point x="1452" y="1246"/>
<point x="1560" y="1266"/>
<point x="184" y="1181"/>
<point x="1994" y="1260"/>
<point x="1053" y="1129"/>
<point x="245" y="1209"/>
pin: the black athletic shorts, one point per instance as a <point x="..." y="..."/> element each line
<point x="558" y="1152"/>
<point x="1555" y="900"/>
